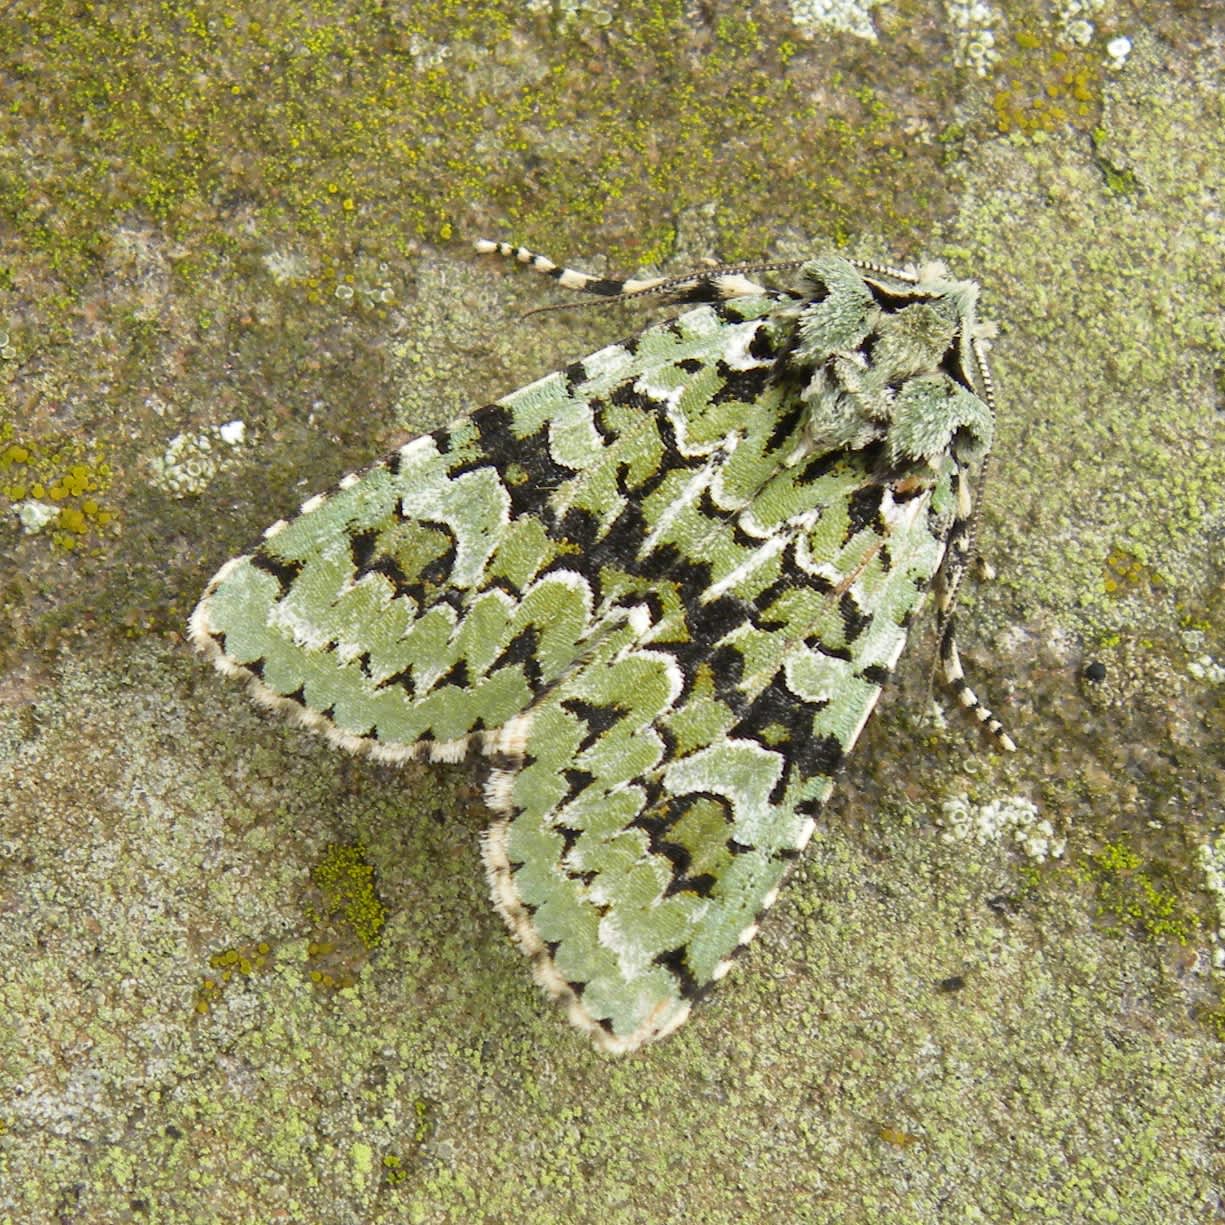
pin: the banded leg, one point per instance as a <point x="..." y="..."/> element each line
<point x="709" y="285"/>
<point x="955" y="678"/>
<point x="958" y="556"/>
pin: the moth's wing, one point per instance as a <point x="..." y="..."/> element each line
<point x="654" y="799"/>
<point x="369" y="616"/>
<point x="433" y="596"/>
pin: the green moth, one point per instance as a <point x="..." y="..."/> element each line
<point x="660" y="591"/>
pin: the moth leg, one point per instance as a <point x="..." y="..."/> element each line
<point x="958" y="556"/>
<point x="714" y="284"/>
<point x="955" y="678"/>
<point x="951" y="664"/>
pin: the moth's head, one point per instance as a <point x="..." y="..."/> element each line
<point x="966" y="355"/>
<point x="939" y="408"/>
<point x="933" y="414"/>
<point x="916" y="338"/>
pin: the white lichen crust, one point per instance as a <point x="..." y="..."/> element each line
<point x="1012" y="819"/>
<point x="659" y="591"/>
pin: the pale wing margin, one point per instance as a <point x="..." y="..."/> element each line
<point x="358" y="616"/>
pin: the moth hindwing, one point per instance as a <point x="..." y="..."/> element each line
<point x="660" y="589"/>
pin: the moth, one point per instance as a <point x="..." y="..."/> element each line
<point x="659" y="590"/>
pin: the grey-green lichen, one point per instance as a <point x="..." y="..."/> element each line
<point x="152" y="821"/>
<point x="190" y="462"/>
<point x="849" y="16"/>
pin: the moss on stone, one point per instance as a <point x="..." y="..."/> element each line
<point x="345" y="880"/>
<point x="189" y="190"/>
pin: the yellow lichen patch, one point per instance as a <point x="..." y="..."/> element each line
<point x="1137" y="895"/>
<point x="1125" y="571"/>
<point x="226" y="965"/>
<point x="896" y="1136"/>
<point x="327" y="967"/>
<point x="345" y="881"/>
<point x="347" y="914"/>
<point x="55" y="486"/>
<point x="1042" y="89"/>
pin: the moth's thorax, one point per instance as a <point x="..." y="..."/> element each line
<point x="878" y="367"/>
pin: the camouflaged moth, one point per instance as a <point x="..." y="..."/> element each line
<point x="660" y="591"/>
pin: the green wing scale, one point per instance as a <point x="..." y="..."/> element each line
<point x="660" y="591"/>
